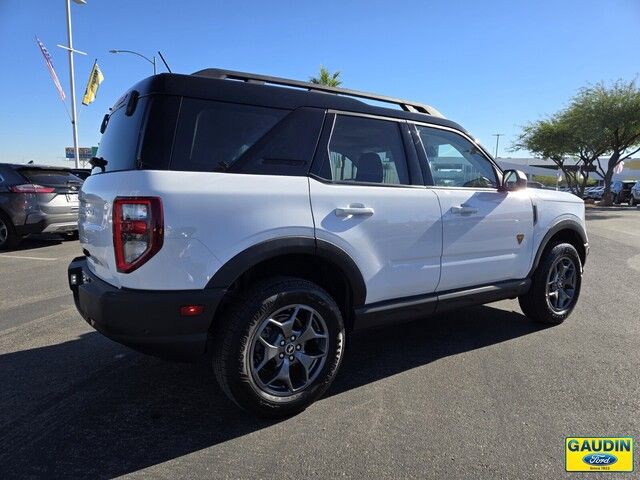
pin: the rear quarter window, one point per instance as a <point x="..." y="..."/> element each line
<point x="212" y="136"/>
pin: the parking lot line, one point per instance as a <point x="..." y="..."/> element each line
<point x="28" y="258"/>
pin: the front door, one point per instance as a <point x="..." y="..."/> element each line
<point x="487" y="233"/>
<point x="364" y="202"/>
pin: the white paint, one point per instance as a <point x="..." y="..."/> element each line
<point x="413" y="243"/>
<point x="397" y="248"/>
<point x="482" y="247"/>
<point x="208" y="218"/>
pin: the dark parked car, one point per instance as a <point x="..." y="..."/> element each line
<point x="37" y="199"/>
<point x="83" y="173"/>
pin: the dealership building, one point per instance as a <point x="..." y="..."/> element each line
<point x="539" y="166"/>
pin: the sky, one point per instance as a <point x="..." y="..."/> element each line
<point x="491" y="66"/>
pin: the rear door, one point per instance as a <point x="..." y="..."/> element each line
<point x="366" y="199"/>
<point x="487" y="233"/>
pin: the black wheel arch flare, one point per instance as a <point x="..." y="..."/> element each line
<point x="269" y="249"/>
<point x="569" y="225"/>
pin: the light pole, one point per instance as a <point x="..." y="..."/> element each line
<point x="497" y="135"/>
<point x="152" y="62"/>
<point x="71" y="51"/>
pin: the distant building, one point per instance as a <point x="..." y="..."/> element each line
<point x="539" y="166"/>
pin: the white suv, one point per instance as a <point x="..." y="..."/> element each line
<point x="263" y="219"/>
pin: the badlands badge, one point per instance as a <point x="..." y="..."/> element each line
<point x="598" y="454"/>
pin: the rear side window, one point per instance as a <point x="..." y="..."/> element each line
<point x="366" y="150"/>
<point x="120" y="141"/>
<point x="211" y="136"/>
<point x="50" y="178"/>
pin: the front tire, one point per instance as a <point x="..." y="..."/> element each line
<point x="555" y="286"/>
<point x="278" y="346"/>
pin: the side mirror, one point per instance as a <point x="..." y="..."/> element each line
<point x="513" y="180"/>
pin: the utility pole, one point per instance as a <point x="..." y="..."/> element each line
<point x="69" y="48"/>
<point x="497" y="135"/>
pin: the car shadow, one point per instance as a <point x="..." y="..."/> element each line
<point x="92" y="408"/>
<point x="607" y="213"/>
<point x="35" y="241"/>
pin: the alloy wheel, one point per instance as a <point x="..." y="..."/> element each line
<point x="561" y="284"/>
<point x="288" y="350"/>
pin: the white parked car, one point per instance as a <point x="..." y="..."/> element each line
<point x="264" y="224"/>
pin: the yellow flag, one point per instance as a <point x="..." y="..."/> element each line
<point x="95" y="79"/>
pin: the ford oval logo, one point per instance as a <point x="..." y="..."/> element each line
<point x="599" y="459"/>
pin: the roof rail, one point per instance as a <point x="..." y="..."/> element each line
<point x="405" y="105"/>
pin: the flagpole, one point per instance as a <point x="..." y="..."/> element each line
<point x="74" y="119"/>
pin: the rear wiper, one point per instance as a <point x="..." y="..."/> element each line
<point x="98" y="162"/>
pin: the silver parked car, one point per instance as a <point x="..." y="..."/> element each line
<point x="634" y="199"/>
<point x="37" y="199"/>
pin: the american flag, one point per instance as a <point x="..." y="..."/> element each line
<point x="47" y="60"/>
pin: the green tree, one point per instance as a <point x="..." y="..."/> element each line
<point x="599" y="121"/>
<point x="325" y="77"/>
<point x="611" y="114"/>
<point x="558" y="139"/>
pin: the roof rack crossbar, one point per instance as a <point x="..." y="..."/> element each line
<point x="405" y="105"/>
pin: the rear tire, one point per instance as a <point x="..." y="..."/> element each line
<point x="278" y="346"/>
<point x="632" y="201"/>
<point x="555" y="286"/>
<point x="8" y="236"/>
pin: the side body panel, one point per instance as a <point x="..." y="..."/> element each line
<point x="208" y="218"/>
<point x="492" y="242"/>
<point x="552" y="208"/>
<point x="397" y="247"/>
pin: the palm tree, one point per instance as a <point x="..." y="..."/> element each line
<point x="327" y="78"/>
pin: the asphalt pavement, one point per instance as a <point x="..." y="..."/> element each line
<point x="479" y="393"/>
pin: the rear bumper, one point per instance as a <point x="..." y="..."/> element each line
<point x="53" y="223"/>
<point x="145" y="320"/>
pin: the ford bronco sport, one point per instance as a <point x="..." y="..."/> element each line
<point x="263" y="219"/>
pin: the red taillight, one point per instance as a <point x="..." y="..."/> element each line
<point x="138" y="231"/>
<point x="191" y="310"/>
<point x="30" y="188"/>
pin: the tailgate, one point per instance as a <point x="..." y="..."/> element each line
<point x="65" y="185"/>
<point x="94" y="225"/>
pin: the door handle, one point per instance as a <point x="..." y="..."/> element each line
<point x="353" y="209"/>
<point x="463" y="210"/>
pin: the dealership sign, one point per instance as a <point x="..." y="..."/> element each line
<point x="85" y="152"/>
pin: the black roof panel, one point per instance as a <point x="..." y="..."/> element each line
<point x="236" y="91"/>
